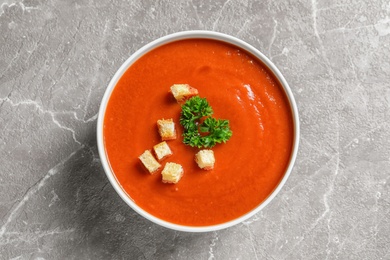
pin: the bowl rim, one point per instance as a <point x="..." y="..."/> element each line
<point x="202" y="34"/>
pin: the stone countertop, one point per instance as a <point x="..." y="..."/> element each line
<point x="56" y="59"/>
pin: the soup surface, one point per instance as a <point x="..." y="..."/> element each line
<point x="239" y="88"/>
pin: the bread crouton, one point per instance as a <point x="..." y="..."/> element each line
<point x="172" y="172"/>
<point x="182" y="92"/>
<point x="205" y="159"/>
<point x="162" y="150"/>
<point x="166" y="129"/>
<point x="150" y="163"/>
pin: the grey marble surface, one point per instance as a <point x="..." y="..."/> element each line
<point x="56" y="59"/>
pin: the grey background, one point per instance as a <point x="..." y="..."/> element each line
<point x="56" y="59"/>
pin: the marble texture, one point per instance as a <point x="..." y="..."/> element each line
<point x="56" y="59"/>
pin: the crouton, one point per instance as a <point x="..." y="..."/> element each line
<point x="205" y="159"/>
<point x="172" y="172"/>
<point x="166" y="128"/>
<point x="182" y="92"/>
<point x="162" y="150"/>
<point x="149" y="162"/>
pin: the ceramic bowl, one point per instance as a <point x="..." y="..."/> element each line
<point x="168" y="39"/>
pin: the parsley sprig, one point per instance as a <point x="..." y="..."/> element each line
<point x="200" y="129"/>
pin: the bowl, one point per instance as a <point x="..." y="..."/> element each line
<point x="210" y="35"/>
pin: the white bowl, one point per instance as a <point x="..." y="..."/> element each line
<point x="171" y="38"/>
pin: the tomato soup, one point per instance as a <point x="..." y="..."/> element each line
<point x="240" y="89"/>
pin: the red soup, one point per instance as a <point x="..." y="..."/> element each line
<point x="239" y="88"/>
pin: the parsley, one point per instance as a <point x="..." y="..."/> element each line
<point x="202" y="133"/>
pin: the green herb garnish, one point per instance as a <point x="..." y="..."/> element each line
<point x="201" y="130"/>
